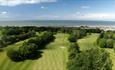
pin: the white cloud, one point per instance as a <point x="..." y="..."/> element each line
<point x="4" y="12"/>
<point x="4" y="15"/>
<point x="18" y="2"/>
<point x="98" y="16"/>
<point x="85" y="7"/>
<point x="92" y="16"/>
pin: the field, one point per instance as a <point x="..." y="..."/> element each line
<point x="54" y="57"/>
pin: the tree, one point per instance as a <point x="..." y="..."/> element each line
<point x="102" y="43"/>
<point x="31" y="48"/>
<point x="91" y="59"/>
<point x="14" y="55"/>
<point x="72" y="38"/>
<point x="73" y="50"/>
<point x="106" y="43"/>
<point x="109" y="43"/>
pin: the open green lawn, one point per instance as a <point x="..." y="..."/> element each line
<point x="54" y="57"/>
<point x="88" y="41"/>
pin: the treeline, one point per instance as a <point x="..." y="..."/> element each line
<point x="49" y="29"/>
<point x="106" y="39"/>
<point x="77" y="34"/>
<point x="31" y="48"/>
<point x="91" y="59"/>
<point x="67" y="29"/>
<point x="12" y="36"/>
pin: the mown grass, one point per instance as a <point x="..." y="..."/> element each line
<point x="88" y="42"/>
<point x="54" y="57"/>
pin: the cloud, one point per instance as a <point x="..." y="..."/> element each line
<point x="18" y="2"/>
<point x="92" y="16"/>
<point x="4" y="12"/>
<point x="4" y="15"/>
<point x="85" y="7"/>
<point x="98" y="16"/>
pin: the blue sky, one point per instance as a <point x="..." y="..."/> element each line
<point x="57" y="10"/>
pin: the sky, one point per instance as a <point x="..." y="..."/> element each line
<point x="57" y="10"/>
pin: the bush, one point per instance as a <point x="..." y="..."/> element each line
<point x="2" y="44"/>
<point x="26" y="51"/>
<point x="106" y="39"/>
<point x="10" y="39"/>
<point x="31" y="48"/>
<point x="77" y="34"/>
<point x="72" y="38"/>
<point x="92" y="59"/>
<point x="102" y="43"/>
<point x="1" y="50"/>
<point x="109" y="43"/>
<point x="14" y="55"/>
<point x="42" y="40"/>
<point x="73" y="50"/>
<point x="106" y="43"/>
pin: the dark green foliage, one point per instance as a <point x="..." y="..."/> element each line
<point x="106" y="39"/>
<point x="1" y="49"/>
<point x="106" y="43"/>
<point x="2" y="44"/>
<point x="92" y="59"/>
<point x="14" y="55"/>
<point x="73" y="50"/>
<point x="93" y="30"/>
<point x="26" y="51"/>
<point x="42" y="40"/>
<point x="72" y="38"/>
<point x="31" y="48"/>
<point x="102" y="43"/>
<point x="10" y="39"/>
<point x="77" y="34"/>
<point x="110" y="43"/>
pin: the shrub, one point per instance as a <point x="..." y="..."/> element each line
<point x="106" y="43"/>
<point x="10" y="39"/>
<point x="73" y="50"/>
<point x="102" y="43"/>
<point x="31" y="48"/>
<point x="106" y="39"/>
<point x="72" y="38"/>
<point x="14" y="55"/>
<point x="109" y="43"/>
<point x="92" y="59"/>
<point x="77" y="34"/>
<point x="26" y="51"/>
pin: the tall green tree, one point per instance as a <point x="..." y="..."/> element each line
<point x="73" y="50"/>
<point x="92" y="59"/>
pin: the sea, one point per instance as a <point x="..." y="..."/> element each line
<point x="66" y="23"/>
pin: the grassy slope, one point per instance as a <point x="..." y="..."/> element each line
<point x="89" y="42"/>
<point x="53" y="58"/>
